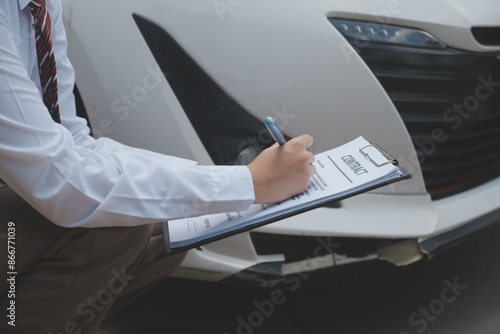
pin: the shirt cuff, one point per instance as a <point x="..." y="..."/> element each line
<point x="231" y="188"/>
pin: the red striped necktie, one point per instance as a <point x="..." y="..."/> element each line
<point x="45" y="54"/>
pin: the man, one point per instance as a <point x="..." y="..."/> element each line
<point x="78" y="216"/>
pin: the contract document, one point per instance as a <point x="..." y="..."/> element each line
<point x="342" y="172"/>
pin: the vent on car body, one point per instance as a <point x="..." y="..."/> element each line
<point x="489" y="36"/>
<point x="223" y="125"/>
<point x="298" y="248"/>
<point x="450" y="102"/>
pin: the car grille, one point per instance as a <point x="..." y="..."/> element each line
<point x="450" y="102"/>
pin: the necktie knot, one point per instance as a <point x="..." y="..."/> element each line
<point x="36" y="7"/>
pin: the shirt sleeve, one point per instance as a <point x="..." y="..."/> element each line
<point x="77" y="181"/>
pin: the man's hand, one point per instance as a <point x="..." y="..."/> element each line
<point x="281" y="172"/>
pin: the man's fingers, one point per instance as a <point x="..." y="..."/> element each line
<point x="307" y="140"/>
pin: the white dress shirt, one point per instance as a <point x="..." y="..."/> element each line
<point x="75" y="180"/>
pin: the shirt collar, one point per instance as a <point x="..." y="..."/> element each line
<point x="23" y="3"/>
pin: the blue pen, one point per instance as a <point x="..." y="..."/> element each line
<point x="275" y="132"/>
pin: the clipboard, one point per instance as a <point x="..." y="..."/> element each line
<point x="372" y="153"/>
<point x="390" y="158"/>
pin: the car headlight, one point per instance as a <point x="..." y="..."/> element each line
<point x="371" y="32"/>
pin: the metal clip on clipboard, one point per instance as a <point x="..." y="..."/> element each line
<point x="390" y="159"/>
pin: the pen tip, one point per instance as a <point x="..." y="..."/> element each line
<point x="268" y="120"/>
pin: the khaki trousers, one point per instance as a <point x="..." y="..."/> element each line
<point x="59" y="280"/>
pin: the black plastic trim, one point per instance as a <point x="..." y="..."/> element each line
<point x="446" y="240"/>
<point x="266" y="274"/>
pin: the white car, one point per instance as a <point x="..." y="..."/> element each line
<point x="196" y="78"/>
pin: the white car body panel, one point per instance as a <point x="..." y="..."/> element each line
<point x="284" y="59"/>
